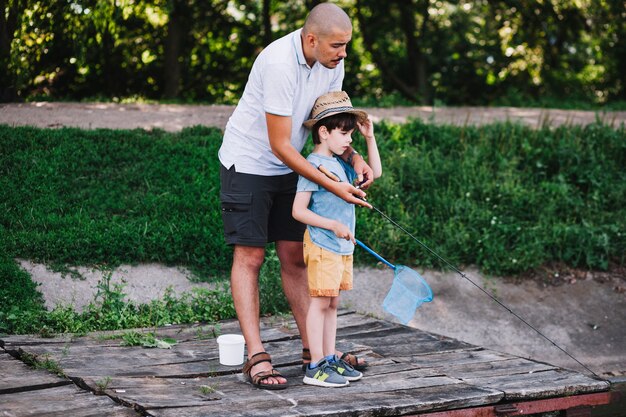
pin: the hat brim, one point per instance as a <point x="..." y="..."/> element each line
<point x="360" y="115"/>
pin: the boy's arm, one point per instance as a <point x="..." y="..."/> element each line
<point x="301" y="212"/>
<point x="373" y="157"/>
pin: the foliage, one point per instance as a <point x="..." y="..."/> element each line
<point x="111" y="197"/>
<point x="147" y="340"/>
<point x="453" y="52"/>
<point x="504" y="197"/>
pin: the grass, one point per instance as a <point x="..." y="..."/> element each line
<point x="504" y="197"/>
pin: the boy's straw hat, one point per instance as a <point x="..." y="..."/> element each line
<point x="330" y="104"/>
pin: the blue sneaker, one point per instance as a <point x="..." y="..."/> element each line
<point x="344" y="369"/>
<point x="324" y="375"/>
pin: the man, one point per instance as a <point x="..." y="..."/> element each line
<point x="259" y="154"/>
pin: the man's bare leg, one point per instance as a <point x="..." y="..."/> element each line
<point x="244" y="283"/>
<point x="295" y="283"/>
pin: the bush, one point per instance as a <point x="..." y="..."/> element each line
<point x="108" y="197"/>
<point x="503" y="197"/>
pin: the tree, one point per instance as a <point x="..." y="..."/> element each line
<point x="177" y="21"/>
<point x="10" y="13"/>
<point x="383" y="25"/>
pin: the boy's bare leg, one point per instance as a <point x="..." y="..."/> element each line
<point x="316" y="326"/>
<point x="295" y="283"/>
<point x="330" y="326"/>
<point x="244" y="282"/>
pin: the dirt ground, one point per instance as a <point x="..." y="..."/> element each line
<point x="584" y="313"/>
<point x="172" y="117"/>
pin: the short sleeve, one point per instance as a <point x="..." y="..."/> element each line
<point x="306" y="185"/>
<point x="279" y="85"/>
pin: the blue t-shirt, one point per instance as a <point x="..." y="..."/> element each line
<point x="328" y="205"/>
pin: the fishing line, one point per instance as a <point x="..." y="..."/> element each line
<point x="454" y="268"/>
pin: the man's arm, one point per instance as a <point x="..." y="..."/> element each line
<point x="279" y="132"/>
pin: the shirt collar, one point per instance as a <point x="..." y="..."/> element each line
<point x="297" y="43"/>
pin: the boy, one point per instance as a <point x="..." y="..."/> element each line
<point x="329" y="238"/>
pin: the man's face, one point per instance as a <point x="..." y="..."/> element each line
<point x="331" y="49"/>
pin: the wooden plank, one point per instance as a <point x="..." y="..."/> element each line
<point x="526" y="408"/>
<point x="410" y="371"/>
<point x="148" y="392"/>
<point x="62" y="402"/>
<point x="401" y="342"/>
<point x="186" y="359"/>
<point x="550" y="383"/>
<point x="349" y="401"/>
<point x="18" y="377"/>
<point x="470" y="355"/>
<point x="231" y="391"/>
<point x="509" y="367"/>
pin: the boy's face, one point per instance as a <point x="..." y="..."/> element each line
<point x="338" y="140"/>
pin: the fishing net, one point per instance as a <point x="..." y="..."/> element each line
<point x="408" y="291"/>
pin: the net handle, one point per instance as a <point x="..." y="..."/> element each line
<point x="377" y="256"/>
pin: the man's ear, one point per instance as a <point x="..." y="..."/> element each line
<point x="310" y="39"/>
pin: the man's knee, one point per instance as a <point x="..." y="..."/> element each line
<point x="248" y="257"/>
<point x="290" y="254"/>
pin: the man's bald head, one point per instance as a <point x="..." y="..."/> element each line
<point x="326" y="18"/>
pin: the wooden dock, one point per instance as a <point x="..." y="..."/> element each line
<point x="411" y="373"/>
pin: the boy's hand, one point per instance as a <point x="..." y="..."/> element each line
<point x="365" y="174"/>
<point x="343" y="232"/>
<point x="366" y="128"/>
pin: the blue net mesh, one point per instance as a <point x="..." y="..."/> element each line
<point x="408" y="291"/>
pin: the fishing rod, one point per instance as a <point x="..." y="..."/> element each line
<point x="455" y="269"/>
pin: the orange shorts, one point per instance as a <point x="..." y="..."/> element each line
<point x="328" y="272"/>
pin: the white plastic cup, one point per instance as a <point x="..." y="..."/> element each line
<point x="231" y="349"/>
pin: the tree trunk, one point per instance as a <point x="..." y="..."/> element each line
<point x="173" y="40"/>
<point x="415" y="57"/>
<point x="406" y="89"/>
<point x="267" y="23"/>
<point x="312" y="3"/>
<point x="8" y="25"/>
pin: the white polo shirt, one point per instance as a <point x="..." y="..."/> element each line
<point x="280" y="83"/>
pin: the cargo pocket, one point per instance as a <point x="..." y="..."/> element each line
<point x="236" y="213"/>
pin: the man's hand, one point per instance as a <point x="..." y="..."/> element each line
<point x="350" y="193"/>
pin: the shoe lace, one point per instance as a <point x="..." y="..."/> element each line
<point x="345" y="365"/>
<point x="327" y="368"/>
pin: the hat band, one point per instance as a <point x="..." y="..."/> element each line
<point x="333" y="110"/>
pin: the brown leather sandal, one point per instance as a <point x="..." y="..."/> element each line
<point x="261" y="376"/>
<point x="350" y="358"/>
<point x="353" y="360"/>
<point x="306" y="358"/>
